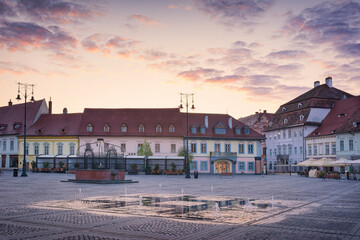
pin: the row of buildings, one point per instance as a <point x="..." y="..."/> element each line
<point x="322" y="122"/>
<point x="218" y="142"/>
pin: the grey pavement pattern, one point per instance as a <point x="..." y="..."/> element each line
<point x="327" y="209"/>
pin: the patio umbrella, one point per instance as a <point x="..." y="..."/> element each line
<point x="306" y="163"/>
<point x="343" y="162"/>
<point x="323" y="162"/>
<point x="356" y="161"/>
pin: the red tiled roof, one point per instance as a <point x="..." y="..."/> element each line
<point x="198" y="120"/>
<point x="341" y="118"/>
<point x="56" y="125"/>
<point x="257" y="121"/>
<point x="14" y="114"/>
<point x="132" y="118"/>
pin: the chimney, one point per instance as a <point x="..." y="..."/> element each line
<point x="316" y="83"/>
<point x="328" y="81"/>
<point x="65" y="111"/>
<point x="206" y="122"/>
<point x="230" y="122"/>
<point x="10" y="103"/>
<point x="50" y="106"/>
<point x="264" y="111"/>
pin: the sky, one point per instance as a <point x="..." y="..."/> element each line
<point x="235" y="56"/>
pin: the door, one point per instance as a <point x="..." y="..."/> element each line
<point x="222" y="167"/>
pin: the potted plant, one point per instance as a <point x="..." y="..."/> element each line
<point x="33" y="166"/>
<point x="156" y="169"/>
<point x="133" y="170"/>
<point x="46" y="166"/>
<point x="61" y="166"/>
<point x="173" y="167"/>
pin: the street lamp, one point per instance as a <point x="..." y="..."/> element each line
<point x="187" y="96"/>
<point x="25" y="87"/>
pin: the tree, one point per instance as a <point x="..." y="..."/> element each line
<point x="145" y="150"/>
<point x="182" y="153"/>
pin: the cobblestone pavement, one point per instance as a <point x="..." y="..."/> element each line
<point x="322" y="209"/>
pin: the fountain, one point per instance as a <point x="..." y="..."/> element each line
<point x="216" y="210"/>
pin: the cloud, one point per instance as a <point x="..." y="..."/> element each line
<point x="57" y="11"/>
<point x="336" y="23"/>
<point x="92" y="42"/>
<point x="15" y="68"/>
<point x="20" y="35"/>
<point x="233" y="12"/>
<point x="145" y="20"/>
<point x="6" y="10"/>
<point x="199" y="74"/>
<point x="262" y="80"/>
<point x="288" y="54"/>
<point x="172" y="64"/>
<point x="225" y="79"/>
<point x="121" y="42"/>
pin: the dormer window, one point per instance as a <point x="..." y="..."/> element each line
<point x="247" y="131"/>
<point x="2" y="127"/>
<point x="16" y="126"/>
<point x="193" y="129"/>
<point x="39" y="131"/>
<point x="202" y="129"/>
<point x="300" y="105"/>
<point x="89" y="128"/>
<point x="284" y="109"/>
<point x="237" y="130"/>
<point x="106" y="128"/>
<point x="220" y="128"/>
<point x="171" y="128"/>
<point x="158" y="128"/>
<point x="342" y="115"/>
<point x="270" y="123"/>
<point x="141" y="128"/>
<point x="285" y="121"/>
<point x="63" y="130"/>
<point x="301" y="117"/>
<point x="124" y="128"/>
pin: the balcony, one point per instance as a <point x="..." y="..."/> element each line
<point x="223" y="154"/>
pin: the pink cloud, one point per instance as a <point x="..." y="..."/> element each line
<point x="145" y="20"/>
<point x="199" y="74"/>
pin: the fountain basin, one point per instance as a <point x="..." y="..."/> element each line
<point x="98" y="174"/>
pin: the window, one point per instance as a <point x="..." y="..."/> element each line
<point x="106" y="147"/>
<point x="309" y="150"/>
<point x="284" y="109"/>
<point x="274" y="152"/>
<point x="301" y="117"/>
<point x="315" y="150"/>
<point x="106" y="128"/>
<point x="141" y="128"/>
<point x="290" y="149"/>
<point x="285" y="121"/>
<point x="295" y="150"/>
<point x="341" y="145"/>
<point x="123" y="128"/>
<point x="270" y="166"/>
<point x="46" y="148"/>
<point x="279" y="135"/>
<point x="171" y="128"/>
<point x="217" y="147"/>
<point x="295" y="134"/>
<point x="203" y="148"/>
<point x="299" y="105"/>
<point x="220" y="128"/>
<point x="123" y="147"/>
<point x="251" y="166"/>
<point x="4" y="145"/>
<point x="89" y="127"/>
<point x="88" y="146"/>
<point x="284" y="134"/>
<point x="193" y="129"/>
<point x="202" y="129"/>
<point x="327" y="149"/>
<point x="36" y="149"/>
<point x="270" y="152"/>
<point x="301" y="150"/>
<point x="237" y="131"/>
<point x="279" y="149"/>
<point x="241" y="148"/>
<point x="173" y="148"/>
<point x="158" y="128"/>
<point x="351" y="145"/>
<point x="193" y="147"/>
<point x="284" y="149"/>
<point x="203" y="166"/>
<point x="247" y="131"/>
<point x="241" y="166"/>
<point x="193" y="166"/>
<point x="333" y="148"/>
<point x="289" y="133"/>
<point x="11" y="145"/>
<point x="139" y="146"/>
<point x="60" y="149"/>
<point x="72" y="148"/>
<point x="27" y="149"/>
<point x="227" y="148"/>
<point x="250" y="148"/>
<point x="157" y="147"/>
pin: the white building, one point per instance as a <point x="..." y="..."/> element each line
<point x="294" y="120"/>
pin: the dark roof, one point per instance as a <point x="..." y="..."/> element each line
<point x="341" y="118"/>
<point x="321" y="96"/>
<point x="132" y="118"/>
<point x="14" y="114"/>
<point x="198" y="120"/>
<point x="56" y="125"/>
<point x="257" y="121"/>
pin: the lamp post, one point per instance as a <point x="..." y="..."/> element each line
<point x="187" y="96"/>
<point x="25" y="87"/>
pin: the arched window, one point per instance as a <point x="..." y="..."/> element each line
<point x="123" y="128"/>
<point x="285" y="121"/>
<point x="141" y="128"/>
<point x="284" y="109"/>
<point x="158" y="128"/>
<point x="202" y="129"/>
<point x="299" y="105"/>
<point x="301" y="117"/>
<point x="171" y="128"/>
<point x="106" y="128"/>
<point x="193" y="129"/>
<point x="89" y="128"/>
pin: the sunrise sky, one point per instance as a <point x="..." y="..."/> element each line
<point x="236" y="56"/>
